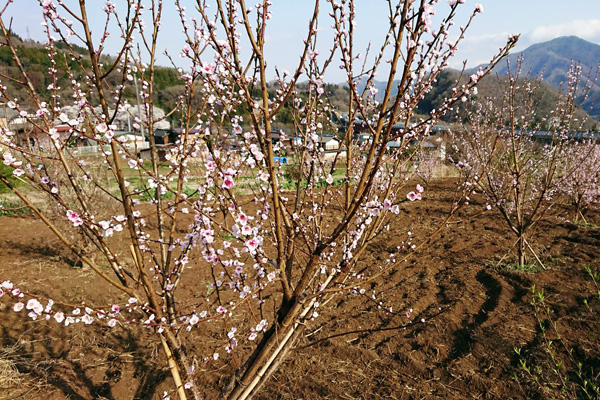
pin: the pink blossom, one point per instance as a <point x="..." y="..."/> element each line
<point x="74" y="218"/>
<point x="228" y="182"/>
<point x="208" y="69"/>
<point x="412" y="196"/>
<point x="261" y="325"/>
<point x="242" y="219"/>
<point x="387" y="205"/>
<point x="53" y="132"/>
<point x="18" y="306"/>
<point x="102" y="128"/>
<point x="59" y="317"/>
<point x="252" y="244"/>
<point x="8" y="158"/>
<point x="35" y="306"/>
<point x="374" y="207"/>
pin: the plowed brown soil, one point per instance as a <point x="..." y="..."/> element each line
<point x="471" y="309"/>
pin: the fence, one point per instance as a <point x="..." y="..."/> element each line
<point x="86" y="150"/>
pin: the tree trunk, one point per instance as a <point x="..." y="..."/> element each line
<point x="521" y="251"/>
<point x="179" y="364"/>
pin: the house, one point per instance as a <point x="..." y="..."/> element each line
<point x="329" y="142"/>
<point x="166" y="136"/>
<point x="34" y="138"/>
<point x="132" y="140"/>
<point x="432" y="145"/>
<point x="332" y="146"/>
<point x="289" y="142"/>
<point x="6" y="114"/>
<point x="161" y="151"/>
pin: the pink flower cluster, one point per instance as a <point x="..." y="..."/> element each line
<point x="74" y="218"/>
<point x="412" y="196"/>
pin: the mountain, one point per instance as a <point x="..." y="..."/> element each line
<point x="492" y="87"/>
<point x="554" y="58"/>
<point x="34" y="59"/>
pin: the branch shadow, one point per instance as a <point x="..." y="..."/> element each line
<point x="463" y="338"/>
<point x="61" y="358"/>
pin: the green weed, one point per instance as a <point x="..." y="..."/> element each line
<point x="11" y="209"/>
<point x="555" y="373"/>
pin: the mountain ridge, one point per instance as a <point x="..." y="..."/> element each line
<point x="553" y="59"/>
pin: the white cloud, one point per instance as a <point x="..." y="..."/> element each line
<point x="495" y="38"/>
<point x="588" y="29"/>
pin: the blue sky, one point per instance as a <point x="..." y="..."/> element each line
<point x="536" y="20"/>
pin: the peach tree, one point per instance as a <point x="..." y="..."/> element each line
<point x="212" y="204"/>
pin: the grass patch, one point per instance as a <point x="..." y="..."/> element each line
<point x="12" y="209"/>
<point x="7" y="171"/>
<point x="150" y="194"/>
<point x="584" y="224"/>
<point x="527" y="268"/>
<point x="189" y="192"/>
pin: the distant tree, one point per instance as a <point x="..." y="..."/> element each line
<point x="581" y="185"/>
<point x="515" y="157"/>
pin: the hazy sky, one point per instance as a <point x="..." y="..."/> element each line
<point x="536" y="20"/>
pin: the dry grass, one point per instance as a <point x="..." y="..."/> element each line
<point x="13" y="383"/>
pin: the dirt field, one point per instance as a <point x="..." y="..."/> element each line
<point x="470" y="312"/>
